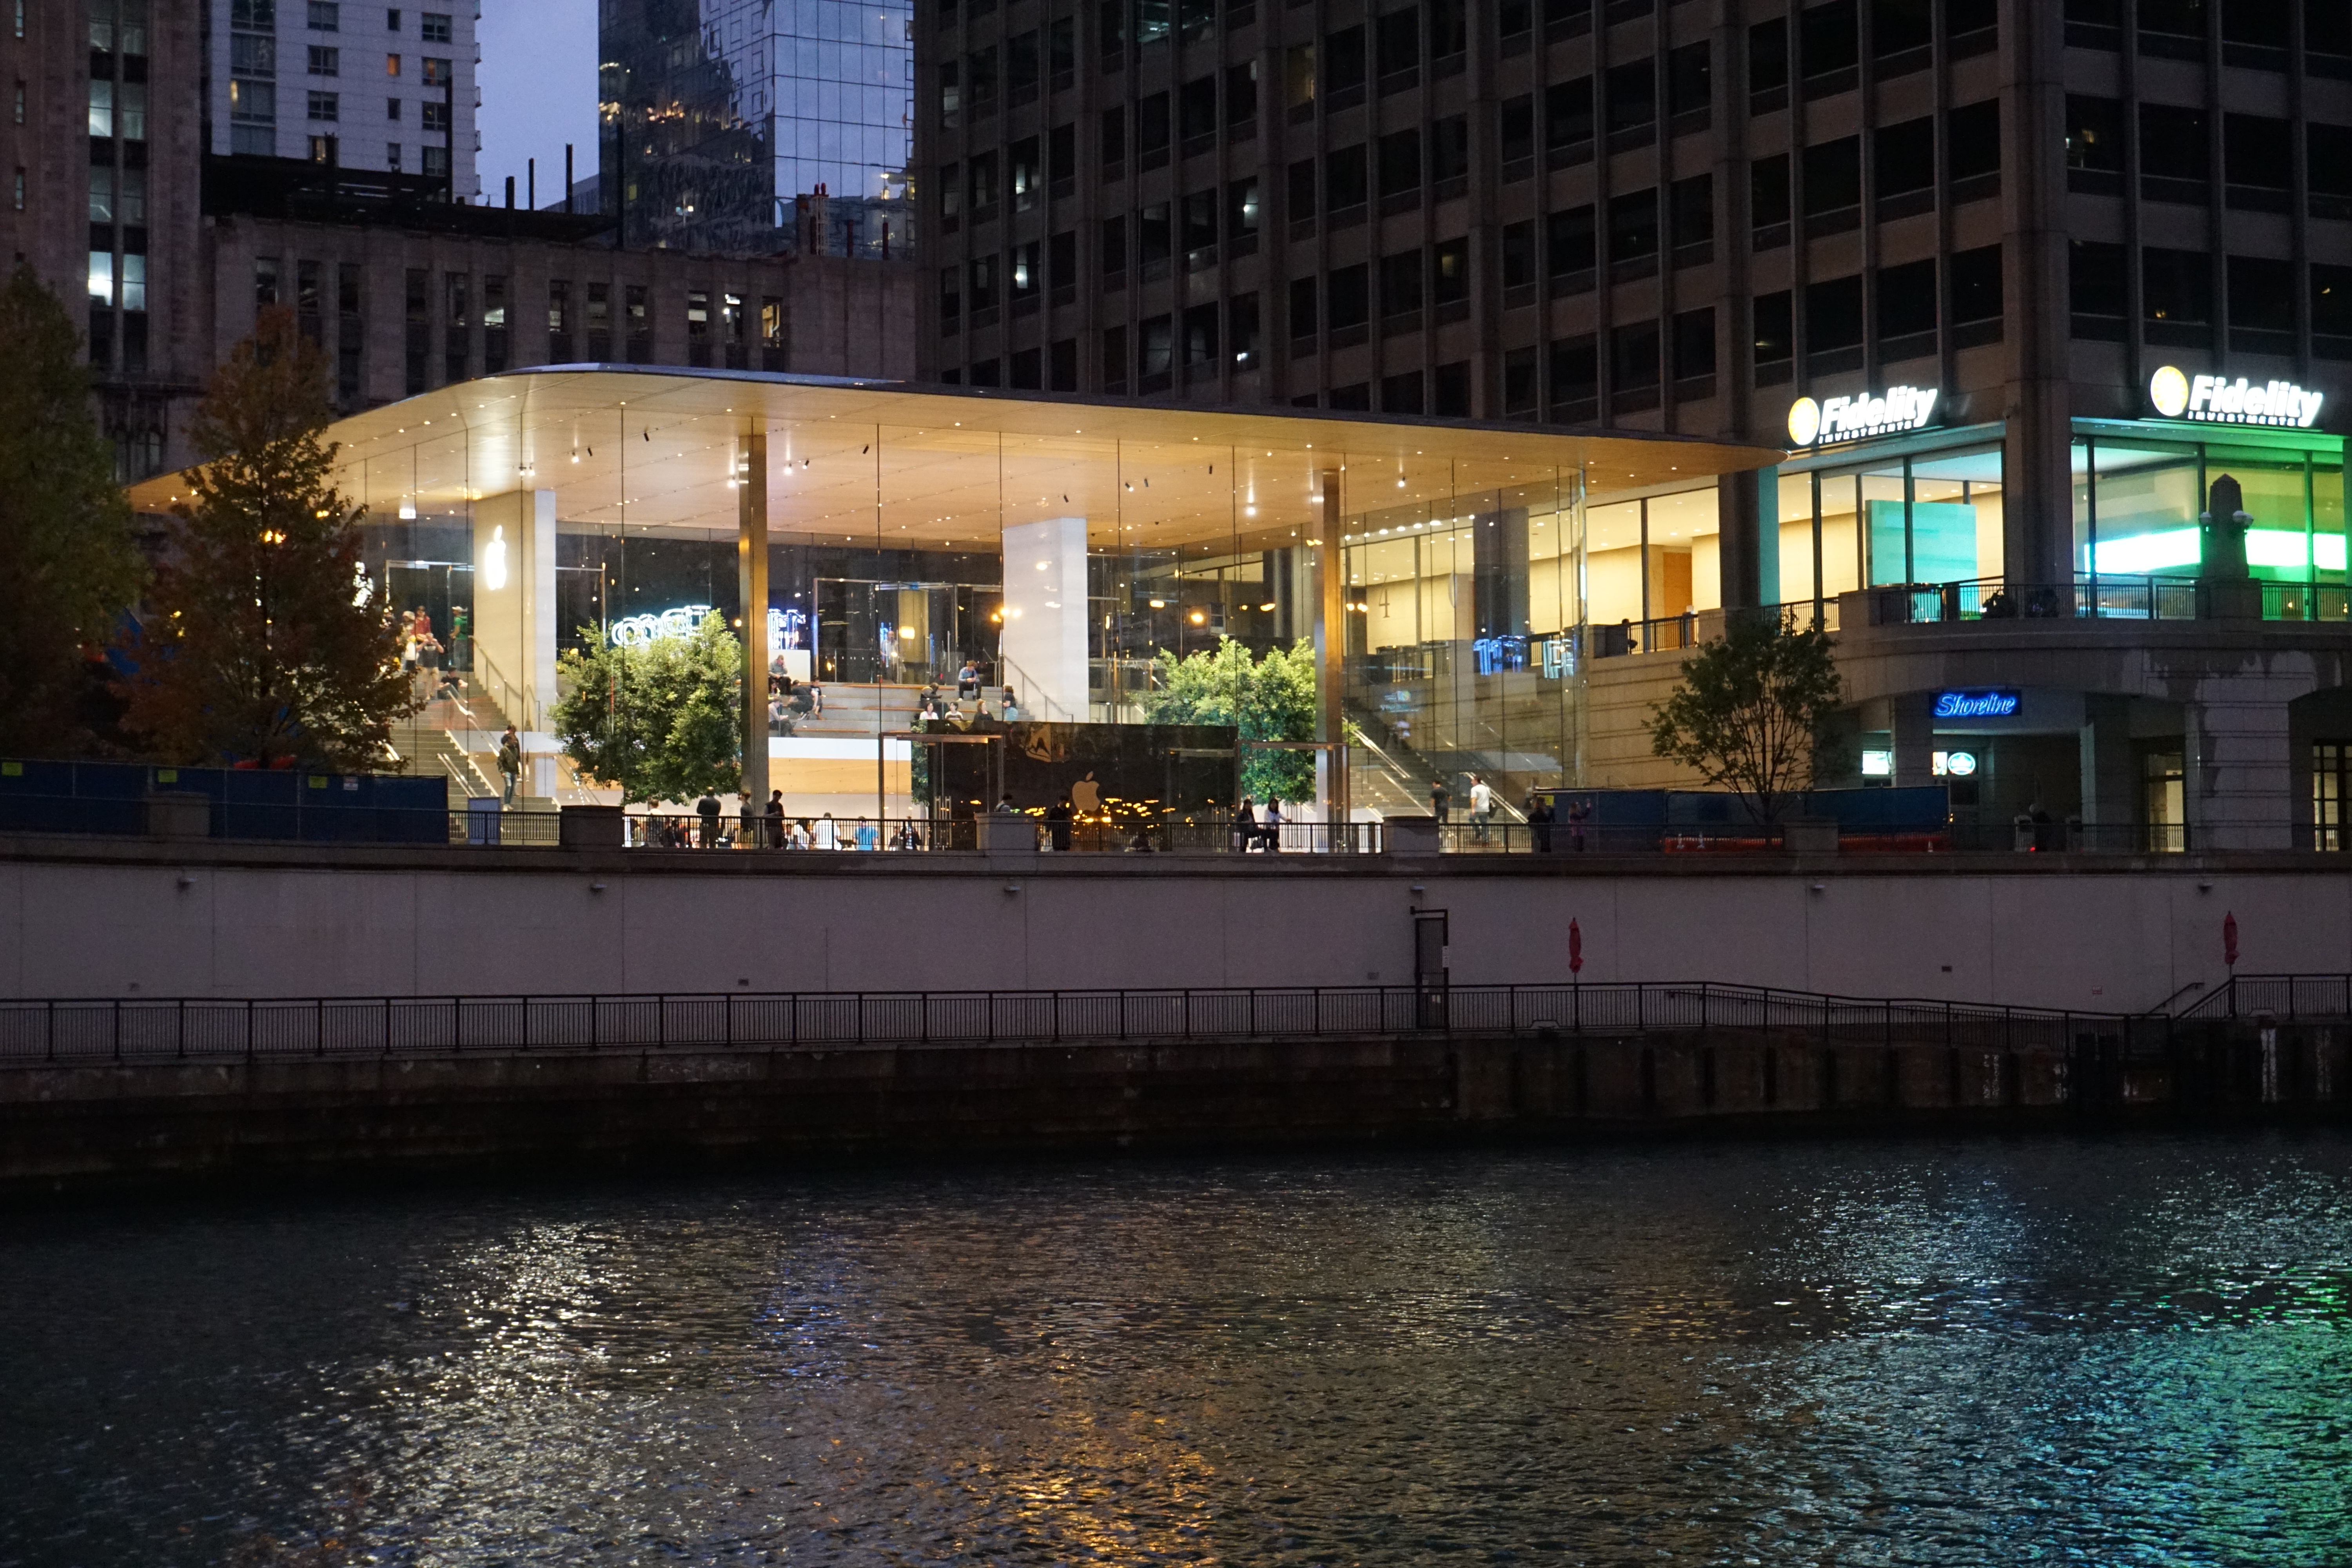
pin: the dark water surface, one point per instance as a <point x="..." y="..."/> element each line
<point x="2124" y="1350"/>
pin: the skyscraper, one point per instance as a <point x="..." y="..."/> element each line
<point x="719" y="115"/>
<point x="349" y="82"/>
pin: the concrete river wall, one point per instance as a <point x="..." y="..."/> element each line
<point x="99" y="1122"/>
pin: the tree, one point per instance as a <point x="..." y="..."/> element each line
<point x="260" y="644"/>
<point x="1751" y="708"/>
<point x="663" y="719"/>
<point x="1271" y="699"/>
<point x="68" y="567"/>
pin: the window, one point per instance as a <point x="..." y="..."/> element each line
<point x="1241" y="331"/>
<point x="1200" y="337"/>
<point x="328" y="106"/>
<point x="1834" y="176"/>
<point x="1906" y="302"/>
<point x="1828" y="45"/>
<point x="980" y="185"/>
<point x="435" y="116"/>
<point x="1575" y="377"/>
<point x="1062" y="259"/>
<point x="1343" y="63"/>
<point x="1302" y="308"/>
<point x="101" y="107"/>
<point x="434" y="162"/>
<point x="559" y="307"/>
<point x="1027" y="276"/>
<point x="2256" y="151"/>
<point x="2175" y="286"/>
<point x="1974" y="136"/>
<point x="264" y="281"/>
<point x="1833" y="315"/>
<point x="1344" y="177"/>
<point x="1568" y="113"/>
<point x="2096" y="281"/>
<point x="1113" y="137"/>
<point x="258" y="14"/>
<point x="1453" y="389"/>
<point x="1151" y="128"/>
<point x="1690" y="84"/>
<point x="2172" y="146"/>
<point x="1694" y="343"/>
<point x="1196" y="111"/>
<point x="1519" y="129"/>
<point x="1301" y="190"/>
<point x="1062" y="153"/>
<point x="1520" y="383"/>
<point x="1768" y="56"/>
<point x="1153" y="238"/>
<point x="1633" y="226"/>
<point x="1449" y="153"/>
<point x="326" y="16"/>
<point x="102" y="278"/>
<point x="392" y="21"/>
<point x="2262" y="301"/>
<point x="1899" y="27"/>
<point x="391" y="110"/>
<point x="1241" y="94"/>
<point x="392" y="64"/>
<point x="1113" y="364"/>
<point x="253" y="102"/>
<point x="433" y="27"/>
<point x="1401" y="164"/>
<point x="1691" y="202"/>
<point x="950" y="296"/>
<point x="2095" y="134"/>
<point x="1025" y="172"/>
<point x="1349" y="303"/>
<point x="1568" y="238"/>
<point x="1767" y="190"/>
<point x="391" y="156"/>
<point x="1402" y="393"/>
<point x="1242" y="211"/>
<point x="1775" y="332"/>
<point x="132" y="120"/>
<point x="1401" y="283"/>
<point x="1398" y="42"/>
<point x="1450" y="272"/>
<point x="980" y="278"/>
<point x="1158" y="346"/>
<point x="326" y="61"/>
<point x="1906" y="158"/>
<point x="18" y="198"/>
<point x="1632" y="96"/>
<point x="2331" y="305"/>
<point x="698" y="317"/>
<point x="951" y="93"/>
<point x="1976" y="285"/>
<point x="324" y="150"/>
<point x="1520" y="254"/>
<point x="1113" y="247"/>
<point x="438" y="72"/>
<point x="1633" y="358"/>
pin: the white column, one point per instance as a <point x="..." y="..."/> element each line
<point x="1045" y="618"/>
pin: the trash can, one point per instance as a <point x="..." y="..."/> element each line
<point x="482" y="819"/>
<point x="591" y="828"/>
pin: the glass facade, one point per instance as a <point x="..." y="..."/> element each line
<point x="719" y="115"/>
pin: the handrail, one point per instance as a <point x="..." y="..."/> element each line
<point x="116" y="1028"/>
<point x="510" y="699"/>
<point x="1046" y="707"/>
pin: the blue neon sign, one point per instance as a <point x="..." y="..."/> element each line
<point x="1976" y="704"/>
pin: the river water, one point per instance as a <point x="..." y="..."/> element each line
<point x="2130" y="1349"/>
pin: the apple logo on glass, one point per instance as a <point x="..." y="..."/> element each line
<point x="1085" y="795"/>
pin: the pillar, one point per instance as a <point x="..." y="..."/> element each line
<point x="1747" y="510"/>
<point x="1911" y="721"/>
<point x="2110" y="781"/>
<point x="751" y="586"/>
<point x="1330" y="651"/>
<point x="1045" y="640"/>
<point x="2239" y="788"/>
<point x="514" y="606"/>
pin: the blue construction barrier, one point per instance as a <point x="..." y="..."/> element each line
<point x="295" y="805"/>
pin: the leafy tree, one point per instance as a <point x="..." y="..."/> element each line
<point x="1750" y="711"/>
<point x="257" y="644"/>
<point x="662" y="721"/>
<point x="1271" y="699"/>
<point x="67" y="563"/>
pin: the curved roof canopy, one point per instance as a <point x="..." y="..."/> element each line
<point x="888" y="463"/>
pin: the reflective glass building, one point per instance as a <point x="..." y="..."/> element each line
<point x="717" y="114"/>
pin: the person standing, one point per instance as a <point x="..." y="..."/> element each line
<point x="1482" y="805"/>
<point x="1440" y="797"/>
<point x="828" y="832"/>
<point x="1269" y="826"/>
<point x="869" y="837"/>
<point x="1539" y="821"/>
<point x="510" y="762"/>
<point x="707" y="809"/>
<point x="1245" y="825"/>
<point x="776" y="819"/>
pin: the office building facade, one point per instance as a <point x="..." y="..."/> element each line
<point x="393" y="90"/>
<point x="2017" y="284"/>
<point x="719" y="118"/>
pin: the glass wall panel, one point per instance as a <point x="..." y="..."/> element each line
<point x="1796" y="538"/>
<point x="2139" y="518"/>
<point x="1613" y="567"/>
<point x="1956" y="516"/>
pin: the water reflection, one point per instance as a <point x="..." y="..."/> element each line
<point x="2121" y="1351"/>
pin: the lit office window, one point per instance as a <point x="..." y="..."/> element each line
<point x="134" y="282"/>
<point x="102" y="278"/>
<point x="101" y="108"/>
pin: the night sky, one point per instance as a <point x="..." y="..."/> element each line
<point x="539" y="91"/>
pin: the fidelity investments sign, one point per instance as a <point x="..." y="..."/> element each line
<point x="1852" y="418"/>
<point x="2217" y="400"/>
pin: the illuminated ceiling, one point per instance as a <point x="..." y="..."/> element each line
<point x="876" y="463"/>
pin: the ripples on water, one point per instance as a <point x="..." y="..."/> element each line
<point x="2130" y="1350"/>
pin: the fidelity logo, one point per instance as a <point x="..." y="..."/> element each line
<point x="2218" y="400"/>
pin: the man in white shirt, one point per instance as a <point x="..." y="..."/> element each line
<point x="1482" y="805"/>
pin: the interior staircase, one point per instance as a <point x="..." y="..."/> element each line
<point x="862" y="711"/>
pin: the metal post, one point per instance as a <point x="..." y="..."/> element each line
<point x="181" y="1048"/>
<point x="661" y="1020"/>
<point x="1331" y="649"/>
<point x="751" y="579"/>
<point x="319" y="1026"/>
<point x="248" y="1028"/>
<point x="118" y="1028"/>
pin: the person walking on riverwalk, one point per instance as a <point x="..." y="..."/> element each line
<point x="510" y="762"/>
<point x="1482" y="805"/>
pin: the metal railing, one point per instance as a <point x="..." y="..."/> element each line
<point x="1198" y="834"/>
<point x="2290" y="997"/>
<point x="2100" y="598"/>
<point x="124" y="1029"/>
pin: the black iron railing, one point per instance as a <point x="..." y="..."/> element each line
<point x="2289" y="998"/>
<point x="125" y="1029"/>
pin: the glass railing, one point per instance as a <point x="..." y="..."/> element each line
<point x="2102" y="597"/>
